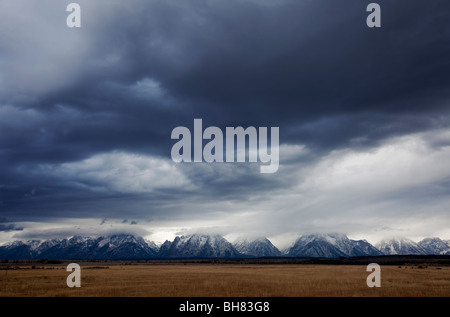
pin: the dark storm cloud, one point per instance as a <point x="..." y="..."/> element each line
<point x="76" y="104"/>
<point x="7" y="226"/>
<point x="244" y="63"/>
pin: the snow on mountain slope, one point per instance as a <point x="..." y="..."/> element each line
<point x="198" y="246"/>
<point x="400" y="246"/>
<point x="435" y="246"/>
<point x="78" y="247"/>
<point x="258" y="247"/>
<point x="123" y="246"/>
<point x="331" y="246"/>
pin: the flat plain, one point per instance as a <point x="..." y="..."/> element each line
<point x="224" y="280"/>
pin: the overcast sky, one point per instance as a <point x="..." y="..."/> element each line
<point x="86" y="116"/>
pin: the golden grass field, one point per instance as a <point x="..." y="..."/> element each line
<point x="221" y="280"/>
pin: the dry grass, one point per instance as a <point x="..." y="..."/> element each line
<point x="228" y="281"/>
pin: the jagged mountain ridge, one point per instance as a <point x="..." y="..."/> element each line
<point x="258" y="247"/>
<point x="331" y="246"/>
<point x="401" y="246"/>
<point x="396" y="246"/>
<point x="125" y="246"/>
<point x="113" y="247"/>
<point x="435" y="246"/>
<point x="198" y="246"/>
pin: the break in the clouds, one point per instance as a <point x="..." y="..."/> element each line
<point x="86" y="116"/>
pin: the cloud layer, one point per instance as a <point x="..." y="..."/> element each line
<point x="86" y="115"/>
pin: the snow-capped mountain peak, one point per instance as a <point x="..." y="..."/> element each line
<point x="399" y="245"/>
<point x="435" y="246"/>
<point x="198" y="246"/>
<point x="258" y="247"/>
<point x="81" y="247"/>
<point x="331" y="245"/>
<point x="123" y="246"/>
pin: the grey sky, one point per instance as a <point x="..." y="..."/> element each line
<point x="86" y="116"/>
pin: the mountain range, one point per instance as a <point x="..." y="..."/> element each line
<point x="78" y="247"/>
<point x="123" y="246"/>
<point x="331" y="246"/>
<point x="198" y="246"/>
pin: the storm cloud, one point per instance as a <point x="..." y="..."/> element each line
<point x="86" y="116"/>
